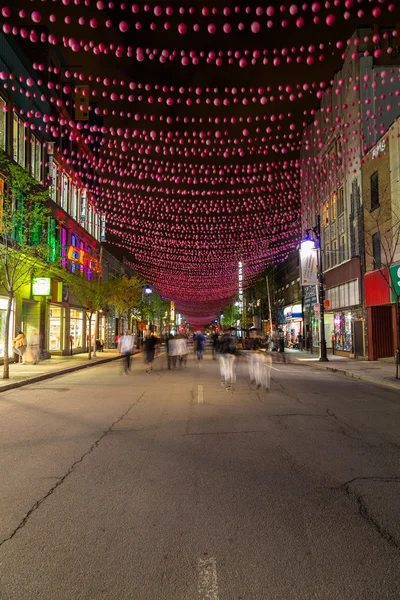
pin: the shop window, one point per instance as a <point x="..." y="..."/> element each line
<point x="340" y="201"/>
<point x="3" y="125"/>
<point x="74" y="242"/>
<point x="325" y="214"/>
<point x="64" y="246"/>
<point x="19" y="150"/>
<point x="55" y="328"/>
<point x="76" y="328"/>
<point x="376" y="250"/>
<point x="36" y="158"/>
<point x="333" y="207"/>
<point x="374" y="190"/>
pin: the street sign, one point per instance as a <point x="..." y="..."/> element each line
<point x="317" y="311"/>
<point x="395" y="282"/>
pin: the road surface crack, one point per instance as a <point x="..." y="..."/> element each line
<point x="71" y="469"/>
<point x="287" y="394"/>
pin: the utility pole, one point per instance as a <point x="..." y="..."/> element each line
<point x="270" y="312"/>
<point x="323" y="357"/>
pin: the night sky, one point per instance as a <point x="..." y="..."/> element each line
<point x="184" y="207"/>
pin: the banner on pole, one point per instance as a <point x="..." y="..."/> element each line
<point x="309" y="266"/>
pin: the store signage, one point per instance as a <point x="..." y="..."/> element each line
<point x="309" y="297"/>
<point x="317" y="311"/>
<point x="293" y="312"/>
<point x="309" y="266"/>
<point x="395" y="282"/>
<point x="381" y="147"/>
<point x="41" y="286"/>
<point x="327" y="304"/>
<point x="83" y="258"/>
<point x="172" y="312"/>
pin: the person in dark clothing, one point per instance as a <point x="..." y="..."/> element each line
<point x="150" y="344"/>
<point x="200" y="344"/>
<point x="215" y="344"/>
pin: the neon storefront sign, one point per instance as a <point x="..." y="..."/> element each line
<point x="77" y="255"/>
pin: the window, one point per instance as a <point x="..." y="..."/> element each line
<point x="325" y="214"/>
<point x="333" y="207"/>
<point x="374" y="190"/>
<point x="65" y="187"/>
<point x="376" y="250"/>
<point x="334" y="254"/>
<point x="340" y="201"/>
<point x="90" y="219"/>
<point x="74" y="202"/>
<point x="327" y="257"/>
<point x="342" y="249"/>
<point x="36" y="158"/>
<point x="3" y="124"/>
<point x="19" y="141"/>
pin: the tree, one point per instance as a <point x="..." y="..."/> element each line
<point x="231" y="315"/>
<point x="24" y="247"/>
<point x="92" y="294"/>
<point x="382" y="246"/>
<point x="126" y="294"/>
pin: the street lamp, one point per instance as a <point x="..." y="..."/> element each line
<point x="307" y="245"/>
<point x="147" y="290"/>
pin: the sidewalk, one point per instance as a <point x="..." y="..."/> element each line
<point x="381" y="373"/>
<point x="57" y="365"/>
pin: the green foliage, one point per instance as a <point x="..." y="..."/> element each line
<point x="126" y="294"/>
<point x="92" y="294"/>
<point x="231" y="316"/>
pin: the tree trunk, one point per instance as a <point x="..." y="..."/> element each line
<point x="6" y="368"/>
<point x="96" y="332"/>
<point x="90" y="337"/>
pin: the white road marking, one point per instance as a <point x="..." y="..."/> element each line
<point x="200" y="395"/>
<point x="208" y="583"/>
<point x="274" y="368"/>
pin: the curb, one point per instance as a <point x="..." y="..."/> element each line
<point x="38" y="378"/>
<point x="351" y="374"/>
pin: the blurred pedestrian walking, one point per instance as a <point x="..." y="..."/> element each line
<point x="150" y="344"/>
<point x="125" y="347"/>
<point x="227" y="360"/>
<point x="172" y="352"/>
<point x="260" y="369"/>
<point x="182" y="350"/>
<point x="19" y="346"/>
<point x="34" y="346"/>
<point x="215" y="344"/>
<point x="200" y="345"/>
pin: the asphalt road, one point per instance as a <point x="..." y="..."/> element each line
<point x="167" y="487"/>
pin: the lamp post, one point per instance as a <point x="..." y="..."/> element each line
<point x="309" y="244"/>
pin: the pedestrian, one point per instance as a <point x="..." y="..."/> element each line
<point x="182" y="351"/>
<point x="194" y="338"/>
<point x="19" y="346"/>
<point x="172" y="351"/>
<point x="200" y="344"/>
<point x="125" y="346"/>
<point x="34" y="346"/>
<point x="150" y="343"/>
<point x="215" y="339"/>
<point x="227" y="358"/>
<point x="260" y="369"/>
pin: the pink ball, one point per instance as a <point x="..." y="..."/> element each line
<point x="123" y="26"/>
<point x="211" y="28"/>
<point x="242" y="63"/>
<point x="255" y="27"/>
<point x="36" y="16"/>
<point x="330" y="20"/>
<point x="182" y="28"/>
<point x="6" y="12"/>
<point x="300" y="22"/>
<point x="93" y="23"/>
<point x="227" y="28"/>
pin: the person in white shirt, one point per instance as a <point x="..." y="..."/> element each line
<point x="182" y="350"/>
<point x="126" y="345"/>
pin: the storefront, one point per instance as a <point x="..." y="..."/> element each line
<point x="76" y="322"/>
<point x="342" y="336"/>
<point x="293" y="326"/>
<point x="56" y="328"/>
<point x="380" y="301"/>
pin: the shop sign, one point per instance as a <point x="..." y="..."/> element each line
<point x="83" y="208"/>
<point x="379" y="148"/>
<point x="327" y="304"/>
<point x="317" y="311"/>
<point x="309" y="266"/>
<point x="172" y="312"/>
<point x="309" y="297"/>
<point x="77" y="255"/>
<point x="395" y="282"/>
<point x="293" y="312"/>
<point x="41" y="286"/>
